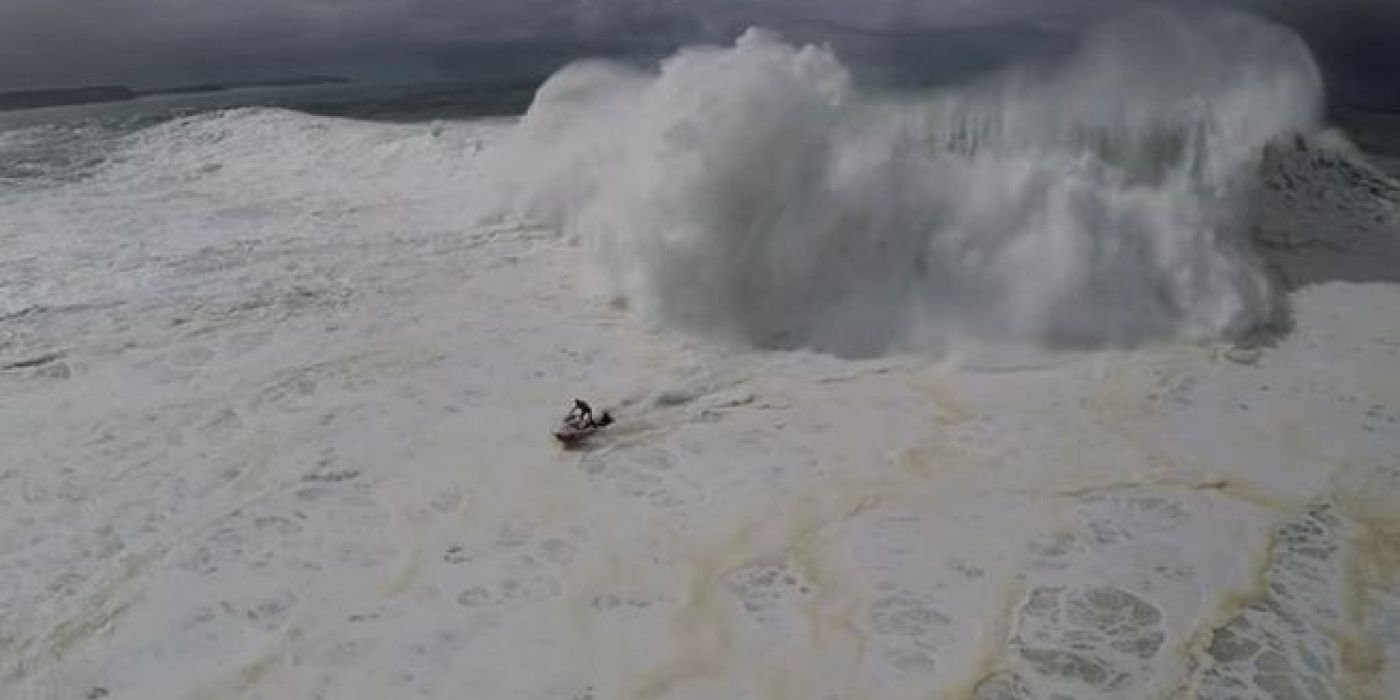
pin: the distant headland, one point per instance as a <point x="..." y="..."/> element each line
<point x="54" y="97"/>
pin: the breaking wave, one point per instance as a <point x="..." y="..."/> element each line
<point x="755" y="194"/>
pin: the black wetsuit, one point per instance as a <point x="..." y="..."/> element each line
<point x="582" y="415"/>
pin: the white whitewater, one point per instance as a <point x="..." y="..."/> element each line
<point x="753" y="193"/>
<point x="277" y="403"/>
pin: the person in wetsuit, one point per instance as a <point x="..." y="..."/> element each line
<point x="581" y="417"/>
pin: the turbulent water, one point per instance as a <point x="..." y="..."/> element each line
<point x="277" y="387"/>
<point x="755" y="192"/>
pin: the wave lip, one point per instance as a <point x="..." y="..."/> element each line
<point x="754" y="194"/>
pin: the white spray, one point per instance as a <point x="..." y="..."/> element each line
<point x="755" y="194"/>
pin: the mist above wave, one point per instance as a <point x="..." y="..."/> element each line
<point x="754" y="193"/>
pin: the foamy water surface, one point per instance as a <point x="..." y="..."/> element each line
<point x="278" y="392"/>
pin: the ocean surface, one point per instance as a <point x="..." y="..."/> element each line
<point x="1077" y="379"/>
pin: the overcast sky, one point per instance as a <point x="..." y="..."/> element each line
<point x="161" y="42"/>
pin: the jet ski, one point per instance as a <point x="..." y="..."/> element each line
<point x="580" y="424"/>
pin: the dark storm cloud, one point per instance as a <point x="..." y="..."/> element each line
<point x="47" y="42"/>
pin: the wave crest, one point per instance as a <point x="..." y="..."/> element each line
<point x="754" y="193"/>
